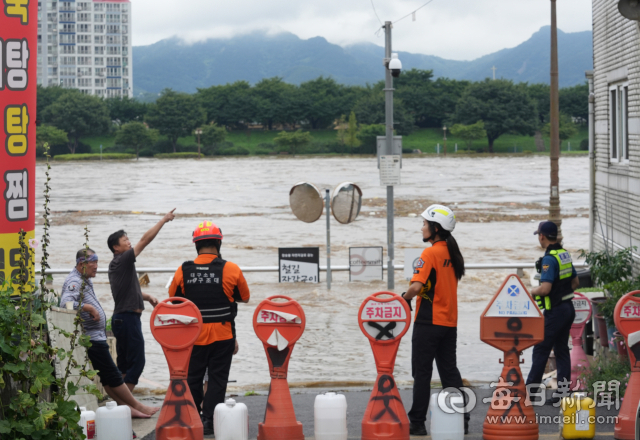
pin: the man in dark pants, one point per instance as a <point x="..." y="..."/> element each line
<point x="128" y="299"/>
<point x="558" y="280"/>
<point x="216" y="287"/>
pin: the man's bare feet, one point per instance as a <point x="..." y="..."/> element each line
<point x="138" y="414"/>
<point x="149" y="410"/>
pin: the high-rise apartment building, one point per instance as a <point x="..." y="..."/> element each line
<point x="86" y="45"/>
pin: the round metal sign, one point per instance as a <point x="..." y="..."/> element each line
<point x="306" y="202"/>
<point x="346" y="202"/>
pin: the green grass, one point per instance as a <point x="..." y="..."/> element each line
<point x="424" y="139"/>
<point x="106" y="156"/>
<point x="177" y="156"/>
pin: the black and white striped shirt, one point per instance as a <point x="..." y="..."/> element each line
<point x="96" y="330"/>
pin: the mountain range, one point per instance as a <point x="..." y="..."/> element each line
<point x="183" y="66"/>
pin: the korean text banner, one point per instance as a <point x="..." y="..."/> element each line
<point x="18" y="58"/>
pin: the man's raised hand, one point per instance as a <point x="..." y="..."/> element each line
<point x="169" y="216"/>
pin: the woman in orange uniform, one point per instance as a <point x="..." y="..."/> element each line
<point x="435" y="283"/>
<point x="216" y="287"/>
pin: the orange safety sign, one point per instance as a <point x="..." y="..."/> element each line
<point x="279" y="325"/>
<point x="176" y="327"/>
<point x="627" y="319"/>
<point x="579" y="361"/>
<point x="384" y="318"/>
<point x="511" y="322"/>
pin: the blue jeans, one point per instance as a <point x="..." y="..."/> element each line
<point x="127" y="329"/>
<point x="557" y="326"/>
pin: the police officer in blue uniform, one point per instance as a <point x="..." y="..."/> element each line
<point x="558" y="280"/>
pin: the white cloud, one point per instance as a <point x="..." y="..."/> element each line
<point x="452" y="29"/>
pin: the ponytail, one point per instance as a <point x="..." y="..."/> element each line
<point x="457" y="260"/>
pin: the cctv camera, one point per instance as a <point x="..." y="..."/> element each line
<point x="395" y="66"/>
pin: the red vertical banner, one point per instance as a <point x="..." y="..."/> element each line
<point x="19" y="67"/>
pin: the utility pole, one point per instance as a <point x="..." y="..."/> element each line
<point x="494" y="68"/>
<point x="554" y="199"/>
<point x="388" y="102"/>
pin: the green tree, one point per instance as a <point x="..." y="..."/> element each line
<point x="369" y="109"/>
<point x="574" y="102"/>
<point x="136" y="135"/>
<point x="503" y="106"/>
<point x="469" y="133"/>
<point x="79" y="115"/>
<point x="212" y="135"/>
<point x="230" y="105"/>
<point x="275" y="102"/>
<point x="175" y="115"/>
<point x="352" y="132"/>
<point x="322" y="101"/>
<point x="125" y="109"/>
<point x="342" y="129"/>
<point x="47" y="96"/>
<point x="368" y="136"/>
<point x="292" y="141"/>
<point x="50" y="135"/>
<point x="567" y="128"/>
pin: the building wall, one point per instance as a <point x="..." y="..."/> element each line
<point x="86" y="45"/>
<point x="616" y="42"/>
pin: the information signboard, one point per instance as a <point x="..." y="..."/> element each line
<point x="390" y="170"/>
<point x="365" y="263"/>
<point x="299" y="265"/>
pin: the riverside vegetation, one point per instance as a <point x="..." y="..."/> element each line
<point x="241" y="119"/>
<point x="34" y="403"/>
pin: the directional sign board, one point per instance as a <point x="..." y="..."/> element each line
<point x="512" y="319"/>
<point x="365" y="263"/>
<point x="299" y="265"/>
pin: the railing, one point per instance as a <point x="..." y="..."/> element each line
<point x="519" y="267"/>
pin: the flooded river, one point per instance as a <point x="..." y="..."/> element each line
<point x="498" y="201"/>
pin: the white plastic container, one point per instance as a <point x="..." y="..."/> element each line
<point x="330" y="417"/>
<point x="443" y="426"/>
<point x="88" y="423"/>
<point x="113" y="422"/>
<point x="231" y="421"/>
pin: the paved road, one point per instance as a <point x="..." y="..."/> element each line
<point x="357" y="403"/>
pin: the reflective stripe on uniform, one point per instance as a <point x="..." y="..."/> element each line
<point x="564" y="262"/>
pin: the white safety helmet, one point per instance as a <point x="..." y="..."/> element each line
<point x="442" y="215"/>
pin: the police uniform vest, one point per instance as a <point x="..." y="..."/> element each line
<point x="561" y="288"/>
<point x="203" y="286"/>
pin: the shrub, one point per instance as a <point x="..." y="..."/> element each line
<point x="212" y="150"/>
<point x="57" y="150"/>
<point x="584" y="144"/>
<point x="407" y="151"/>
<point x="606" y="368"/>
<point x="263" y="151"/>
<point x="181" y="155"/>
<point x="105" y="156"/>
<point x="234" y="151"/>
<point x="266" y="146"/>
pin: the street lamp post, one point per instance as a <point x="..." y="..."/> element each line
<point x="198" y="133"/>
<point x="554" y="199"/>
<point x="388" y="93"/>
<point x="444" y="129"/>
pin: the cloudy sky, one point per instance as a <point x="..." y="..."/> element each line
<point x="452" y="29"/>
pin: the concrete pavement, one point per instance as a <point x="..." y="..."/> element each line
<point x="357" y="401"/>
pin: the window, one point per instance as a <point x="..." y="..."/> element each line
<point x="52" y="39"/>
<point x="67" y="39"/>
<point x="113" y="29"/>
<point x="113" y="39"/>
<point x="113" y="71"/>
<point x="52" y="61"/>
<point x="67" y="6"/>
<point x="67" y="71"/>
<point x="99" y="61"/>
<point x="98" y="7"/>
<point x="84" y="17"/>
<point x="113" y="61"/>
<point x="67" y="27"/>
<point x="113" y="50"/>
<point x="68" y="61"/>
<point x="84" y="71"/>
<point x="68" y="49"/>
<point x="67" y="17"/>
<point x="98" y="29"/>
<point x="84" y="82"/>
<point x="84" y="61"/>
<point x="84" y="49"/>
<point x="98" y="39"/>
<point x="86" y="39"/>
<point x="619" y="122"/>
<point x="98" y="18"/>
<point x="99" y="50"/>
<point x="99" y="82"/>
<point x="84" y="28"/>
<point x="100" y="72"/>
<point x="84" y="6"/>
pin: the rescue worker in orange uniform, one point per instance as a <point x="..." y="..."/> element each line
<point x="216" y="287"/>
<point x="435" y="283"/>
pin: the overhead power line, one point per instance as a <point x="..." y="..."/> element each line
<point x="375" y="12"/>
<point x="410" y="13"/>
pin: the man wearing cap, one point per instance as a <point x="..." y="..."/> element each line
<point x="77" y="292"/>
<point x="216" y="287"/>
<point x="558" y="280"/>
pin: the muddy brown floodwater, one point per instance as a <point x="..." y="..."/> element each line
<point x="499" y="201"/>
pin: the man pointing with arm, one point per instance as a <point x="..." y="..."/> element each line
<point x="128" y="299"/>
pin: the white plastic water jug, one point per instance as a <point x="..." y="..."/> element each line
<point x="231" y="421"/>
<point x="330" y="417"/>
<point x="113" y="422"/>
<point x="443" y="426"/>
<point x="88" y="423"/>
